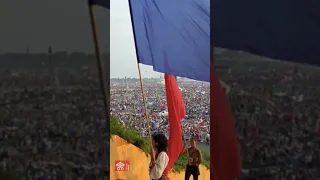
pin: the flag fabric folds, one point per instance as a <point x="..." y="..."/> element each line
<point x="173" y="36"/>
<point x="102" y="3"/>
<point x="176" y="112"/>
<point x="286" y="29"/>
<point x="225" y="148"/>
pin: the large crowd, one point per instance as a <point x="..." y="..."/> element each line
<point x="276" y="108"/>
<point x="52" y="126"/>
<point x="127" y="104"/>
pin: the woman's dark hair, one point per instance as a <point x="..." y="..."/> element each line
<point x="193" y="139"/>
<point x="162" y="142"/>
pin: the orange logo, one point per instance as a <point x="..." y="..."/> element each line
<point x="122" y="165"/>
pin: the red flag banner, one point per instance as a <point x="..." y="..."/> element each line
<point x="225" y="149"/>
<point x="176" y="112"/>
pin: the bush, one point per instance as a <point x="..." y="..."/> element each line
<point x="129" y="134"/>
<point x="134" y="137"/>
<point x="181" y="163"/>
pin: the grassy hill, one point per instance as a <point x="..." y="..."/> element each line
<point x="134" y="137"/>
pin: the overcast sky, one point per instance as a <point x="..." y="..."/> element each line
<point x="64" y="25"/>
<point x="123" y="55"/>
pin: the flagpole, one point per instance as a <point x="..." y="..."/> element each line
<point x="185" y="141"/>
<point x="212" y="169"/>
<point x="100" y="66"/>
<point x="140" y="76"/>
<point x="144" y="102"/>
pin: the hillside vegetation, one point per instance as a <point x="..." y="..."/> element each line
<point x="134" y="137"/>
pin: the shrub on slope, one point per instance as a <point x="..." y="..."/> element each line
<point x="134" y="137"/>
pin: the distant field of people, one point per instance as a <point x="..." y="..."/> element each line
<point x="52" y="125"/>
<point x="127" y="104"/>
<point x="51" y="117"/>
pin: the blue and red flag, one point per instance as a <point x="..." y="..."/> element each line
<point x="173" y="36"/>
<point x="225" y="149"/>
<point x="176" y="112"/>
<point x="285" y="30"/>
<point x="280" y="29"/>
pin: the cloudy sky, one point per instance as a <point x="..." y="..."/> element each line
<point x="64" y="25"/>
<point x="123" y="55"/>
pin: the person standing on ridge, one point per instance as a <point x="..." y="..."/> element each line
<point x="194" y="160"/>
